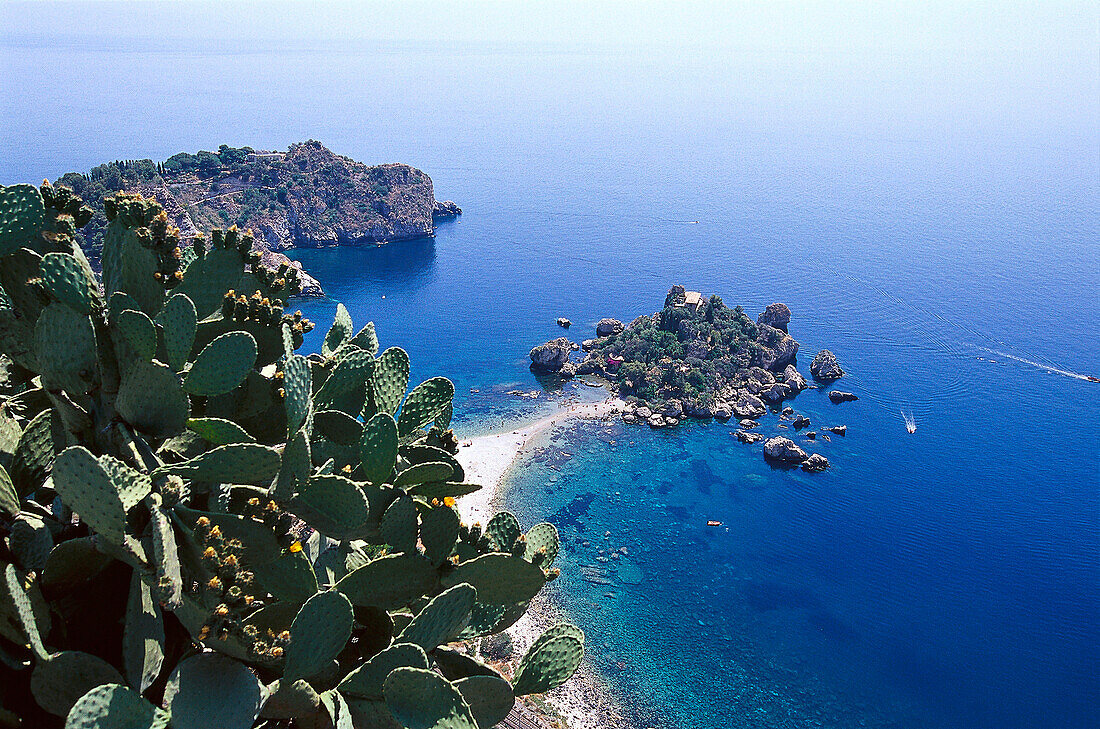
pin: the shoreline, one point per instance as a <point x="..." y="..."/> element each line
<point x="584" y="702"/>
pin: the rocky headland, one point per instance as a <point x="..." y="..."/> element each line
<point x="698" y="358"/>
<point x="308" y="196"/>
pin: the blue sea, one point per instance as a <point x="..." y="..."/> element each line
<point x="928" y="209"/>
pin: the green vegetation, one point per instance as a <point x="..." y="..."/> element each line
<point x="680" y="352"/>
<point x="203" y="528"/>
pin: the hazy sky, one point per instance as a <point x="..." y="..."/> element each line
<point x="836" y="24"/>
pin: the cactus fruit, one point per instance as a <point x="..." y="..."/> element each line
<point x="176" y="480"/>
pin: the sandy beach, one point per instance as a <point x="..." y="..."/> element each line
<point x="583" y="702"/>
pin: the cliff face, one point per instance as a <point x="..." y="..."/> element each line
<point x="307" y="197"/>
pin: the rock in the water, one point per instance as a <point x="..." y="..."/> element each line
<point x="749" y="406"/>
<point x="672" y="409"/>
<point x="746" y="436"/>
<point x="445" y="209"/>
<point x="839" y="396"/>
<point x="783" y="450"/>
<point x="695" y="408"/>
<point x="589" y="344"/>
<point x="825" y="366"/>
<point x="564" y="323"/>
<point x="552" y="356"/>
<point x="643" y="412"/>
<point x="607" y="327"/>
<point x="838" y="429"/>
<point x="775" y="393"/>
<point x="590" y="367"/>
<point x="811" y="434"/>
<point x="568" y="371"/>
<point x="748" y="424"/>
<point x="800" y="422"/>
<point x="629" y="418"/>
<point x="815" y="463"/>
<point x="777" y="348"/>
<point x="722" y="411"/>
<point x="655" y="421"/>
<point x="788" y="411"/>
<point x="794" y="379"/>
<point x="775" y="315"/>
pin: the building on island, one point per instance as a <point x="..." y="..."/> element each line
<point x="694" y="300"/>
<point x="265" y="156"/>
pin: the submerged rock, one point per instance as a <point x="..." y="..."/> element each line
<point x="800" y="422"/>
<point x="746" y="436"/>
<point x="607" y="327"/>
<point x="748" y="424"/>
<point x="815" y="463"/>
<point x="783" y="450"/>
<point x="838" y="429"/>
<point x="564" y="323"/>
<point x="839" y="396"/>
<point x="749" y="406"/>
<point x="825" y="366"/>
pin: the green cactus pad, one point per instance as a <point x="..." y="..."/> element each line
<point x="179" y="322"/>
<point x="289" y="578"/>
<point x="378" y="449"/>
<point x="345" y="386"/>
<point x="333" y="505"/>
<point x="65" y="347"/>
<point x="258" y="541"/>
<point x="543" y="536"/>
<point x="439" y="526"/>
<point x="389" y="582"/>
<point x="290" y="700"/>
<point x="208" y="278"/>
<point x="17" y="339"/>
<point x="484" y="620"/>
<point x="367" y="339"/>
<point x="40" y="441"/>
<point x="17" y="596"/>
<point x="142" y="636"/>
<point x="298" y="386"/>
<point x="222" y="364"/>
<point x="548" y="667"/>
<point x="337" y="709"/>
<point x="338" y="427"/>
<point x="9" y="497"/>
<point x="30" y="542"/>
<point x="318" y="634"/>
<point x="57" y="683"/>
<point x="72" y="563"/>
<point x="426" y="401"/>
<point x="429" y="454"/>
<point x="234" y="463"/>
<point x="399" y="526"/>
<point x="211" y="690"/>
<point x="422" y="699"/>
<point x="295" y="470"/>
<point x="86" y="487"/>
<point x="219" y="431"/>
<point x="131" y="267"/>
<point x="423" y="473"/>
<point x="132" y="486"/>
<point x="113" y="706"/>
<point x="557" y="631"/>
<point x="21" y="216"/>
<point x="339" y="333"/>
<point x="442" y="620"/>
<point x="490" y="698"/>
<point x="443" y="489"/>
<point x="151" y="399"/>
<point x="389" y="380"/>
<point x="443" y="420"/>
<point x="499" y="578"/>
<point x="503" y="530"/>
<point x="139" y="331"/>
<point x="366" y="681"/>
<point x="71" y="282"/>
<point x="169" y="585"/>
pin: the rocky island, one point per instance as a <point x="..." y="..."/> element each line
<point x="698" y="358"/>
<point x="307" y="196"/>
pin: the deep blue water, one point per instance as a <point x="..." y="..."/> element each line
<point x="927" y="215"/>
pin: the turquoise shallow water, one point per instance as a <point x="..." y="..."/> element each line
<point x="931" y="218"/>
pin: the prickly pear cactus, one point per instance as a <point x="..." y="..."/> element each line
<point x="269" y="537"/>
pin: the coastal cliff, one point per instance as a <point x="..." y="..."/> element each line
<point x="307" y="197"/>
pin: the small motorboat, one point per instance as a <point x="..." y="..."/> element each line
<point x="712" y="522"/>
<point x="1090" y="378"/>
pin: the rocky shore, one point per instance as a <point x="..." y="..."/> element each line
<point x="307" y="197"/>
<point x="697" y="358"/>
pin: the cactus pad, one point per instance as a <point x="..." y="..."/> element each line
<point x="234" y="463"/>
<point x="150" y="399"/>
<point x="13" y="587"/>
<point x="298" y="386"/>
<point x="222" y="365"/>
<point x="422" y="699"/>
<point x="345" y="385"/>
<point x="113" y="706"/>
<point x="366" y="681"/>
<point x="57" y="683"/>
<point x="366" y="339"/>
<point x="503" y="530"/>
<point x="339" y="333"/>
<point x="548" y="666"/>
<point x="70" y="281"/>
<point x="443" y="489"/>
<point x="543" y="536"/>
<point x="442" y="620"/>
<point x="490" y="698"/>
<point x="399" y="527"/>
<point x="180" y="323"/>
<point x="318" y="634"/>
<point x="21" y="216"/>
<point x="333" y="505"/>
<point x="219" y="431"/>
<point x="338" y="427"/>
<point x="378" y="449"/>
<point x="212" y="690"/>
<point x="142" y="636"/>
<point x="132" y="486"/>
<point x="499" y="578"/>
<point x="439" y="526"/>
<point x="389" y="582"/>
<point x="423" y="473"/>
<point x="139" y="331"/>
<point x="65" y="347"/>
<point x="426" y="401"/>
<point x="389" y="379"/>
<point x="289" y="578"/>
<point x="86" y="487"/>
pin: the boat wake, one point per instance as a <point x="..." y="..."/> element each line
<point x="1043" y="366"/>
<point x="910" y="421"/>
